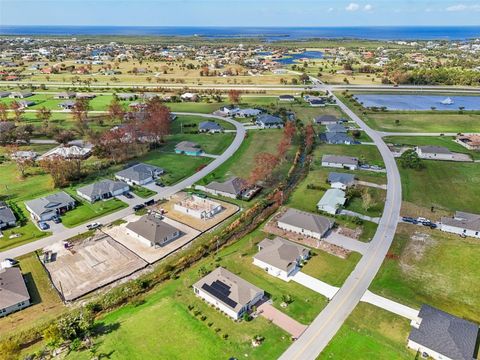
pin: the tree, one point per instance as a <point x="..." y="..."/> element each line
<point x="234" y="96"/>
<point x="264" y="165"/>
<point x="63" y="171"/>
<point x="80" y="114"/>
<point x="115" y="110"/>
<point x="43" y="114"/>
<point x="64" y="137"/>
<point x="367" y="200"/>
<point x="410" y="160"/>
<point x="3" y="112"/>
<point x="21" y="163"/>
<point x="17" y="110"/>
<point x="158" y="120"/>
<point x="309" y="138"/>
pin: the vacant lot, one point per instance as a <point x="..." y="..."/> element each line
<point x="447" y="186"/>
<point x="370" y="333"/>
<point x="432" y="267"/>
<point x="46" y="303"/>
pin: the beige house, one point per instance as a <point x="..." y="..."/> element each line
<point x="434" y="153"/>
<point x="152" y="231"/>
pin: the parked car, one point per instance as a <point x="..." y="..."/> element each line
<point x="375" y="167"/>
<point x="138" y="207"/>
<point x="159" y="183"/>
<point x="93" y="225"/>
<point x="364" y="166"/>
<point x="422" y="220"/>
<point x="56" y="220"/>
<point x="203" y="196"/>
<point x="429" y="224"/>
<point x="43" y="225"/>
<point x="128" y="195"/>
<point x="8" y="262"/>
<point x="149" y="202"/>
<point x="409" y="219"/>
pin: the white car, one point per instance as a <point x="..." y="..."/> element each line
<point x="422" y="219"/>
<point x="93" y="225"/>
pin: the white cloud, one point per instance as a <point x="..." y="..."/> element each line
<point x="330" y="9"/>
<point x="352" y="7"/>
<point x="463" y="7"/>
<point x="368" y="7"/>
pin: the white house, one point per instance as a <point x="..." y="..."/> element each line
<point x="279" y="257"/>
<point x="139" y="174"/>
<point x="462" y="223"/>
<point x="103" y="189"/>
<point x="152" y="231"/>
<point x="338" y="161"/>
<point x="228" y="292"/>
<point x="198" y="207"/>
<point x="442" y="336"/>
<point x="331" y="201"/>
<point x="304" y="223"/>
<point x="14" y="292"/>
<point x="434" y="153"/>
<point x="340" y="181"/>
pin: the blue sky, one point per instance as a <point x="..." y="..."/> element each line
<point x="239" y="12"/>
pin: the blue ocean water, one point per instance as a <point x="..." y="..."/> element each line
<point x="292" y="58"/>
<point x="268" y="33"/>
<point x="418" y="102"/>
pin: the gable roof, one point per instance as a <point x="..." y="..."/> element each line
<point x="326" y="118"/>
<point x="209" y="125"/>
<point x="333" y="198"/>
<point x="6" y="214"/>
<point x="12" y="287"/>
<point x="188" y="146"/>
<point x="139" y="172"/>
<point x="445" y="333"/>
<point x="233" y="185"/>
<point x="463" y="220"/>
<point x="152" y="228"/>
<point x="102" y="187"/>
<point x="343" y="178"/>
<point x="305" y="220"/>
<point x="336" y="138"/>
<point x="268" y="119"/>
<point x="229" y="289"/>
<point x="434" y="149"/>
<point x="339" y="159"/>
<point x="339" y="128"/>
<point x="280" y="253"/>
<point x="50" y="202"/>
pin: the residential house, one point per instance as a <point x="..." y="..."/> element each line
<point x="442" y="336"/>
<point x="267" y="121"/>
<point x="188" y="148"/>
<point x="279" y="257"/>
<point x="317" y="102"/>
<point x="210" y="127"/>
<point x="127" y="96"/>
<point x="67" y="105"/>
<point x="232" y="188"/>
<point x="104" y="189"/>
<point x="331" y="201"/>
<point x="152" y="231"/>
<point x="25" y="104"/>
<point x="4" y="94"/>
<point x="340" y="181"/>
<point x="462" y="223"/>
<point x="50" y="206"/>
<point x="336" y="128"/>
<point x="77" y="149"/>
<point x="229" y="110"/>
<point x="305" y="223"/>
<point x="139" y="174"/>
<point x="24" y="155"/>
<point x="325" y="120"/>
<point x="434" y="152"/>
<point x="7" y="217"/>
<point x="87" y="96"/>
<point x="20" y="94"/>
<point x="286" y="98"/>
<point x="336" y="138"/>
<point x="198" y="207"/>
<point x="14" y="292"/>
<point x="471" y="142"/>
<point x="228" y="292"/>
<point x="66" y="95"/>
<point x="189" y="97"/>
<point x="339" y="161"/>
<point x="248" y="112"/>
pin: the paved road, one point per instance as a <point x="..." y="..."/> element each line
<point x="162" y="193"/>
<point x="328" y="322"/>
<point x="385" y="133"/>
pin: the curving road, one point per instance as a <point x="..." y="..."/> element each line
<point x="162" y="193"/>
<point x="328" y="322"/>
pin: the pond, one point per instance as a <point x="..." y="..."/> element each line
<point x="419" y="102"/>
<point x="292" y="58"/>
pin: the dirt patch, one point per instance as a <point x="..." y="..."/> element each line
<point x="415" y="249"/>
<point x="272" y="228"/>
<point x="410" y="209"/>
<point x="351" y="233"/>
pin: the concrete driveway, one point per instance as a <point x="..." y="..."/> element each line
<point x="316" y="285"/>
<point x="282" y="320"/>
<point x="347" y="243"/>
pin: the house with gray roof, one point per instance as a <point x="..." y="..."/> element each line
<point x="66" y="95"/>
<point x="267" y="121"/>
<point x="210" y="127"/>
<point x="249" y="112"/>
<point x="67" y="105"/>
<point x="104" y="189"/>
<point x="280" y="257"/>
<point x="336" y="138"/>
<point x="462" y="223"/>
<point x="188" y="148"/>
<point x="325" y="119"/>
<point x="127" y="96"/>
<point x="332" y="201"/>
<point x="50" y="206"/>
<point x="337" y="128"/>
<point x="26" y="103"/>
<point x="139" y="174"/>
<point x="340" y="161"/>
<point x="7" y="217"/>
<point x="232" y="188"/>
<point x="442" y="336"/>
<point x="14" y="294"/>
<point x="20" y="94"/>
<point x="152" y="231"/>
<point x="340" y="180"/>
<point x="4" y="94"/>
<point x="305" y="223"/>
<point x="228" y="292"/>
<point x="434" y="152"/>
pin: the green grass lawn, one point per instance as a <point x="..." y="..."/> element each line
<point x="376" y="207"/>
<point x="46" y="303"/>
<point x="445" y="141"/>
<point x="445" y="185"/>
<point x="143" y="192"/>
<point x="432" y="267"/>
<point x="86" y="211"/>
<point x="370" y="333"/>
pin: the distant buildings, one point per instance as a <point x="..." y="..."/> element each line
<point x="288" y="98"/>
<point x="228" y="292"/>
<point x="442" y="336"/>
<point x="13" y="291"/>
<point x="471" y="142"/>
<point x="462" y="223"/>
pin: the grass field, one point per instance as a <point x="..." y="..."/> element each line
<point x="447" y="186"/>
<point x="445" y="141"/>
<point x="46" y="303"/>
<point x="143" y="192"/>
<point x="432" y="267"/>
<point x="370" y="333"/>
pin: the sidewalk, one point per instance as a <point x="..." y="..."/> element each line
<point x="370" y="184"/>
<point x="375" y="220"/>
